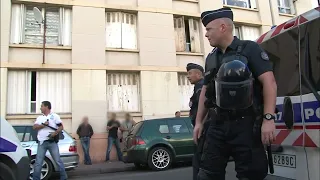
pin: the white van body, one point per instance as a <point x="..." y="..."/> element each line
<point x="14" y="159"/>
<point x="294" y="49"/>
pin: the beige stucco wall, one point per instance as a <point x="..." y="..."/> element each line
<point x="88" y="59"/>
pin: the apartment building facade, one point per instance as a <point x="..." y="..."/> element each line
<point x="104" y="56"/>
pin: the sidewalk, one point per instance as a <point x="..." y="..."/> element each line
<point x="101" y="168"/>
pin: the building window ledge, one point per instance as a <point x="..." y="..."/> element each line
<point x="189" y="54"/>
<point x="192" y="1"/>
<point x="237" y="7"/>
<point x="34" y="116"/>
<point x="122" y="50"/>
<point x="287" y="15"/>
<point x="39" y="46"/>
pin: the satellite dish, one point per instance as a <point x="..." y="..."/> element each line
<point x="37" y="15"/>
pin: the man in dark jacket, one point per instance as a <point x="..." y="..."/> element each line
<point x="195" y="76"/>
<point x="85" y="133"/>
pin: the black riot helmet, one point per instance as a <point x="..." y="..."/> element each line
<point x="234" y="86"/>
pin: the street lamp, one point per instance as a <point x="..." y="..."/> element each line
<point x="42" y="21"/>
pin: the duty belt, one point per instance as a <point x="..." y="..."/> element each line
<point x="225" y="115"/>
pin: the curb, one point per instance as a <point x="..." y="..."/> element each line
<point x="100" y="171"/>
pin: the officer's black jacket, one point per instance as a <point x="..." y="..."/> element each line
<point x="194" y="100"/>
<point x="257" y="60"/>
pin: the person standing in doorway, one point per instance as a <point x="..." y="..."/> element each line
<point x="48" y="140"/>
<point x="113" y="126"/>
<point x="85" y="133"/>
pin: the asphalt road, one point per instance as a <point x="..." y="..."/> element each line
<point x="172" y="174"/>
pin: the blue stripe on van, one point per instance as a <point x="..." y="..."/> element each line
<point x="7" y="146"/>
<point x="311" y="112"/>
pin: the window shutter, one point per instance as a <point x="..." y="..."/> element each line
<point x="194" y="35"/>
<point x="18" y="15"/>
<point x="52" y="30"/>
<point x="65" y="26"/>
<point x="253" y="4"/>
<point x="113" y="29"/>
<point x="123" y="92"/>
<point x="180" y="35"/>
<point x="17" y="93"/>
<point x="250" y="33"/>
<point x="185" y="91"/>
<point x="55" y="87"/>
<point x="129" y="38"/>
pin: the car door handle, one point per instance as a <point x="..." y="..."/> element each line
<point x="25" y="145"/>
<point x="168" y="137"/>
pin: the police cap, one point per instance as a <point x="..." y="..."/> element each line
<point x="208" y="16"/>
<point x="194" y="66"/>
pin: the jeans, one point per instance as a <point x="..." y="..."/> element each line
<point x="54" y="151"/>
<point x="116" y="142"/>
<point x="85" y="143"/>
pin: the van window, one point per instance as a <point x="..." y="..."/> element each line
<point x="283" y="52"/>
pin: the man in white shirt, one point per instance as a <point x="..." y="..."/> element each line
<point x="48" y="139"/>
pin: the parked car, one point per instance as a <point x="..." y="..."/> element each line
<point x="14" y="159"/>
<point x="158" y="143"/>
<point x="67" y="147"/>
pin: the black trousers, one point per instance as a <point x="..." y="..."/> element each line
<point x="196" y="162"/>
<point x="239" y="138"/>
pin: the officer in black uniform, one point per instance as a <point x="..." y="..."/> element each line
<point x="240" y="99"/>
<point x="195" y="76"/>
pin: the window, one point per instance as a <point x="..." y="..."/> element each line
<point x="286" y="6"/>
<point x="187" y="35"/>
<point x="25" y="29"/>
<point x="251" y="4"/>
<point x="246" y="32"/>
<point x="185" y="91"/>
<point x="27" y="89"/>
<point x="25" y="133"/>
<point x="237" y="32"/>
<point x="178" y="126"/>
<point x="121" y="30"/>
<point x="123" y="92"/>
<point x="163" y="129"/>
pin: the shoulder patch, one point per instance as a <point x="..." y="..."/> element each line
<point x="264" y="56"/>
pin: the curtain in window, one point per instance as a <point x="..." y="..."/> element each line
<point x="55" y="87"/>
<point x="17" y="92"/>
<point x="194" y="36"/>
<point x="17" y="23"/>
<point x="250" y="33"/>
<point x="65" y="26"/>
<point x="180" y="35"/>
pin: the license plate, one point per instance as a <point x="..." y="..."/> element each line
<point x="284" y="160"/>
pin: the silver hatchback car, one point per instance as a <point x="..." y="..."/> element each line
<point x="67" y="147"/>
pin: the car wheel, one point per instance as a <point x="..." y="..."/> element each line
<point x="159" y="159"/>
<point x="6" y="172"/>
<point x="46" y="169"/>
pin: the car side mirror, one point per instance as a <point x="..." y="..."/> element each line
<point x="288" y="113"/>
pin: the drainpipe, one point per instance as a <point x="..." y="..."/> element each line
<point x="44" y="35"/>
<point x="271" y="11"/>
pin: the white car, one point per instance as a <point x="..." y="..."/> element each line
<point x="14" y="159"/>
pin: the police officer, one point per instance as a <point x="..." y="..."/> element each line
<point x="195" y="76"/>
<point x="240" y="127"/>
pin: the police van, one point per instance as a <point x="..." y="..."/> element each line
<point x="14" y="159"/>
<point x="294" y="50"/>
